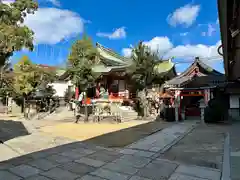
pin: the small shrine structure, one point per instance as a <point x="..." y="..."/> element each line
<point x="197" y="82"/>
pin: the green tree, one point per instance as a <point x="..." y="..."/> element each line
<point x="6" y="80"/>
<point x="13" y="34"/>
<point x="28" y="76"/>
<point x="142" y="71"/>
<point x="82" y="57"/>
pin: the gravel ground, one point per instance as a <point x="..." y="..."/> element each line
<point x="202" y="147"/>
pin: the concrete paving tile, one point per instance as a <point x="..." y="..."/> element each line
<point x="43" y="164"/>
<point x="122" y="168"/>
<point x="58" y="158"/>
<point x="177" y="176"/>
<point x="235" y="166"/>
<point x="25" y="171"/>
<point x="160" y="170"/>
<point x="60" y="174"/>
<point x="72" y="154"/>
<point x="83" y="151"/>
<point x="89" y="177"/>
<point x="77" y="168"/>
<point x="156" y="149"/>
<point x="110" y="174"/>
<point x="200" y="172"/>
<point x="5" y="165"/>
<point x="134" y="161"/>
<point x="144" y="153"/>
<point x="139" y="178"/>
<point x="164" y="162"/>
<point x="38" y="177"/>
<point x="90" y="162"/>
<point x="5" y="175"/>
<point x="104" y="156"/>
<point x="20" y="160"/>
<point x="158" y="141"/>
<point x="42" y="154"/>
<point x="128" y="151"/>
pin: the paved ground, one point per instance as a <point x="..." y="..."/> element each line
<point x="104" y="134"/>
<point x="92" y="130"/>
<point x="202" y="147"/>
<point x="235" y="151"/>
<point x="42" y="157"/>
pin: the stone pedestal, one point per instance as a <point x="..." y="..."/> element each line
<point x="202" y="107"/>
<point x="176" y="113"/>
<point x="183" y="114"/>
<point x="176" y="105"/>
<point x="202" y="115"/>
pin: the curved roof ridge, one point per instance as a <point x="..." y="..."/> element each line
<point x="112" y="52"/>
<point x="197" y="59"/>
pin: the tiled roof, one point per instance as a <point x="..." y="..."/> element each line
<point x="58" y="70"/>
<point x="111" y="56"/>
<point x="164" y="66"/>
<point x="185" y="77"/>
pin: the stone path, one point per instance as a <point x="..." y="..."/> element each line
<point x="66" y="160"/>
<point x="202" y="147"/>
<point x="235" y="151"/>
<point x="162" y="140"/>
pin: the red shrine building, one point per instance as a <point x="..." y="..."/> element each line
<point x="194" y="86"/>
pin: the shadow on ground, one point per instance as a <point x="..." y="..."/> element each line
<point x="11" y="129"/>
<point x="70" y="160"/>
<point x="64" y="161"/>
<point x="124" y="137"/>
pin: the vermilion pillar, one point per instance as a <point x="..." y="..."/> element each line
<point x="76" y="93"/>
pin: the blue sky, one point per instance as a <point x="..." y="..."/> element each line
<point x="182" y="28"/>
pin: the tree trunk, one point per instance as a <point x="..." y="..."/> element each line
<point x="24" y="108"/>
<point x="85" y="107"/>
<point x="145" y="101"/>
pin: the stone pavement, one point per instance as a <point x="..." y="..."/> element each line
<point x="66" y="160"/>
<point x="235" y="151"/>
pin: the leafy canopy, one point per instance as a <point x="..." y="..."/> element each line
<point x="142" y="67"/>
<point x="81" y="60"/>
<point x="29" y="76"/>
<point x="13" y="34"/>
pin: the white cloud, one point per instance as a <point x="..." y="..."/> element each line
<point x="59" y="24"/>
<point x="163" y="44"/>
<point x="55" y="2"/>
<point x="184" y="34"/>
<point x="185" y="15"/>
<point x="8" y="2"/>
<point x="158" y="44"/>
<point x="210" y="31"/>
<point x="52" y="25"/>
<point x="119" y="33"/>
<point x="127" y="52"/>
<point x="203" y="33"/>
<point x="199" y="50"/>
